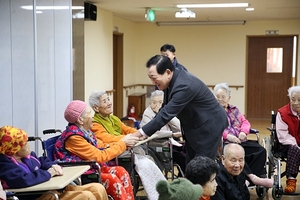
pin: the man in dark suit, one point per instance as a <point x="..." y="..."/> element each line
<point x="202" y="118"/>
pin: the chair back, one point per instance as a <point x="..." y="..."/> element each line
<point x="274" y="139"/>
<point x="48" y="146"/>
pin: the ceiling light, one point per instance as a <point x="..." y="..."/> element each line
<point x="185" y="13"/>
<point x="52" y="7"/>
<point x="249" y="9"/>
<point x="199" y="23"/>
<point x="215" y="5"/>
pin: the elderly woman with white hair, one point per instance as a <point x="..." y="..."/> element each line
<point x="288" y="133"/>
<point x="173" y="127"/>
<point x="109" y="128"/>
<point x="236" y="132"/>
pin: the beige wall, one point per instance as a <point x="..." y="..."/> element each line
<point x="213" y="53"/>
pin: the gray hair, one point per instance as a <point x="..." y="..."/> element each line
<point x="229" y="146"/>
<point x="157" y="93"/>
<point x="222" y="86"/>
<point x="294" y="89"/>
<point x="94" y="97"/>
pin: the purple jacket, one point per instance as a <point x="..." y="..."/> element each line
<point x="31" y="172"/>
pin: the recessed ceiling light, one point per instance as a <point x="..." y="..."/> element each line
<point x="249" y="9"/>
<point x="185" y="13"/>
<point x="215" y="5"/>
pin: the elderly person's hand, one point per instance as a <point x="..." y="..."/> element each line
<point x="243" y="136"/>
<point x="130" y="140"/>
<point x="233" y="139"/>
<point x="177" y="134"/>
<point x="55" y="170"/>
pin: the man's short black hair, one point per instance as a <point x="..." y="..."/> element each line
<point x="167" y="47"/>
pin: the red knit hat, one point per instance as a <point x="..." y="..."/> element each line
<point x="74" y="110"/>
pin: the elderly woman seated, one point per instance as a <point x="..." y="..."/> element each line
<point x="20" y="168"/>
<point x="173" y="127"/>
<point x="287" y="129"/>
<point x="109" y="128"/>
<point x="236" y="132"/>
<point x="78" y="143"/>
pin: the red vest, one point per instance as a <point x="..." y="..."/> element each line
<point x="291" y="120"/>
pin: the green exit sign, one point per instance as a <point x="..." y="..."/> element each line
<point x="150" y="15"/>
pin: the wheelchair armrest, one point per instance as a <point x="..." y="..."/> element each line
<point x="68" y="164"/>
<point x="271" y="129"/>
<point x="252" y="130"/>
<point x="256" y="132"/>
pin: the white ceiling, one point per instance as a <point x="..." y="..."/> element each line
<point x="134" y="10"/>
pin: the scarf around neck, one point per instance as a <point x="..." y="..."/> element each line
<point x="112" y="123"/>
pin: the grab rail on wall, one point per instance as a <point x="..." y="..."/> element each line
<point x="145" y="85"/>
<point x="128" y="87"/>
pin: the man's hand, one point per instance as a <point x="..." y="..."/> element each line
<point x="130" y="140"/>
<point x="232" y="138"/>
<point x="137" y="134"/>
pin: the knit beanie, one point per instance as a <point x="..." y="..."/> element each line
<point x="12" y="139"/>
<point x="178" y="189"/>
<point x="74" y="110"/>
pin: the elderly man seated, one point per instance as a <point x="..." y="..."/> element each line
<point x="231" y="179"/>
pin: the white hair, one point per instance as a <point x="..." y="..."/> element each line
<point x="222" y="86"/>
<point x="294" y="89"/>
<point x="94" y="97"/>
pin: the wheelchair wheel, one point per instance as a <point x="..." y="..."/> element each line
<point x="156" y="159"/>
<point x="261" y="191"/>
<point x="277" y="193"/>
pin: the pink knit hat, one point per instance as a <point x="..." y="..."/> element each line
<point x="74" y="110"/>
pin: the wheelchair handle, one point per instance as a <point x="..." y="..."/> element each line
<point x="50" y="131"/>
<point x="31" y="138"/>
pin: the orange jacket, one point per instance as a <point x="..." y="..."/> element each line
<point x="102" y="134"/>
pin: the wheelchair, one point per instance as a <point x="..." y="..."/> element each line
<point x="162" y="148"/>
<point x="275" y="157"/>
<point x="14" y="196"/>
<point x="125" y="160"/>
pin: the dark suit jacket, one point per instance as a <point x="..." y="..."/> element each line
<point x="202" y="118"/>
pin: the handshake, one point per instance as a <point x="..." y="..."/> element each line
<point x="130" y="140"/>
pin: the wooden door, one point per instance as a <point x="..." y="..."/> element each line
<point x="118" y="74"/>
<point x="267" y="91"/>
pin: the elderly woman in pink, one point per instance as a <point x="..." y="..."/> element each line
<point x="236" y="132"/>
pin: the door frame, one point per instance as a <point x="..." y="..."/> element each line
<point x="293" y="79"/>
<point x="118" y="74"/>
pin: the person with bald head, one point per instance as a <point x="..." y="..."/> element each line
<point x="231" y="179"/>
